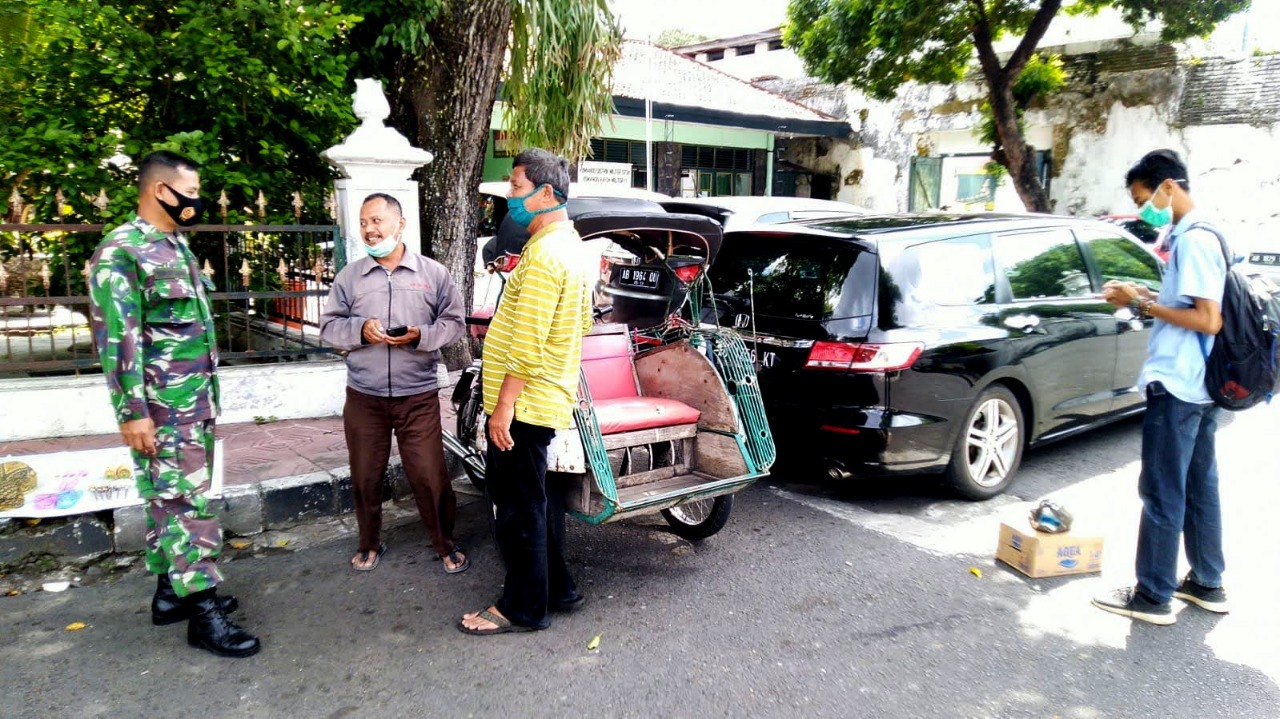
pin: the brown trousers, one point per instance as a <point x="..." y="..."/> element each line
<point x="368" y="422"/>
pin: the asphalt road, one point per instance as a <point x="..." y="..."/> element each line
<point x="814" y="601"/>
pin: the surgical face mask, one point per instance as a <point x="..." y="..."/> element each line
<point x="1156" y="216"/>
<point x="522" y="215"/>
<point x="186" y="212"/>
<point x="383" y="248"/>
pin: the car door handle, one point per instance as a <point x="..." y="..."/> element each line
<point x="1127" y="320"/>
<point x="1026" y="324"/>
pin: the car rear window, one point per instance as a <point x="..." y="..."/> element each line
<point x="795" y="277"/>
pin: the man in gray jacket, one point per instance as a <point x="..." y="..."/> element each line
<point x="392" y="312"/>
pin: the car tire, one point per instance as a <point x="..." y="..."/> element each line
<point x="701" y="518"/>
<point x="988" y="448"/>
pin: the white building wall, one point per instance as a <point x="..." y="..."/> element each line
<point x="70" y="406"/>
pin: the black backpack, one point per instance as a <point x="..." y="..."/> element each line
<point x="1244" y="367"/>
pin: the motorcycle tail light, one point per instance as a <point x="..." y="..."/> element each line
<point x="688" y="273"/>
<point x="506" y="263"/>
<point x="863" y="357"/>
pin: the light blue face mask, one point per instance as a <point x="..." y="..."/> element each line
<point x="522" y="215"/>
<point x="384" y="248"/>
<point x="1157" y="216"/>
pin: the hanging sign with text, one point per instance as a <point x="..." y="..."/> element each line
<point x="616" y="174"/>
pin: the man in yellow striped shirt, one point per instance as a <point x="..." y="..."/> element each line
<point x="532" y="352"/>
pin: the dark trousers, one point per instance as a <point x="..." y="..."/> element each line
<point x="1179" y="490"/>
<point x="529" y="526"/>
<point x="369" y="422"/>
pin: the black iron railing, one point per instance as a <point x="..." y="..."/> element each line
<point x="270" y="286"/>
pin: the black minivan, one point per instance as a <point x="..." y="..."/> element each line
<point x="935" y="343"/>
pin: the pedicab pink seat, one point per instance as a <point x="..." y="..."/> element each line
<point x="611" y="379"/>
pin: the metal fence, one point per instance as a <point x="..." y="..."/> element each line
<point x="270" y="286"/>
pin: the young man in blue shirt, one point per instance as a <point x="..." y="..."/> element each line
<point x="1179" y="480"/>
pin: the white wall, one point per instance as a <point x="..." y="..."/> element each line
<point x="69" y="406"/>
<point x="1234" y="169"/>
<point x="763" y="62"/>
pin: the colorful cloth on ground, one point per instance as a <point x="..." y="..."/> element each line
<point x="183" y="535"/>
<point x="153" y="326"/>
<point x="536" y="332"/>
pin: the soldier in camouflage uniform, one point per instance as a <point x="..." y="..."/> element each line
<point x="154" y="329"/>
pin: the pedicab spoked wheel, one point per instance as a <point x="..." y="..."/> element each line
<point x="989" y="448"/>
<point x="700" y="518"/>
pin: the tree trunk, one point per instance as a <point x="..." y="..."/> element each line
<point x="450" y="93"/>
<point x="1013" y="151"/>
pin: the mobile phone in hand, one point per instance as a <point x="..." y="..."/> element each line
<point x="400" y="331"/>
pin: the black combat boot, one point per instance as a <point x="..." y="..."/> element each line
<point x="168" y="608"/>
<point x="209" y="629"/>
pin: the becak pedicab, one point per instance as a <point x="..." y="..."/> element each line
<point x="669" y="417"/>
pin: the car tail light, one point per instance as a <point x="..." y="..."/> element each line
<point x="688" y="273"/>
<point x="850" y="357"/>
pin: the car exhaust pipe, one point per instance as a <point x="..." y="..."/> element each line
<point x="837" y="472"/>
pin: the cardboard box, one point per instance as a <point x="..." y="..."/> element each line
<point x="1037" y="554"/>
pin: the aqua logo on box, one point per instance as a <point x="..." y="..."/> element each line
<point x="1067" y="556"/>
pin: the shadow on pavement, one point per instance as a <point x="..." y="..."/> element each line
<point x="786" y="612"/>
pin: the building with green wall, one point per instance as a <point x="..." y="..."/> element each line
<point x="711" y="134"/>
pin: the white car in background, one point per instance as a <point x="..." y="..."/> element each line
<point x="1263" y="258"/>
<point x="740" y="212"/>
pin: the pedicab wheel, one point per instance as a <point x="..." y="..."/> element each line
<point x="700" y="518"/>
<point x="989" y="449"/>
<point x="469" y="417"/>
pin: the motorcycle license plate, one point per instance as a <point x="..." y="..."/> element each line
<point x="1265" y="258"/>
<point x="639" y="278"/>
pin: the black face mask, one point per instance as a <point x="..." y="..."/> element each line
<point x="188" y="210"/>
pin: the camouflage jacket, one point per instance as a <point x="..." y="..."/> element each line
<point x="153" y="326"/>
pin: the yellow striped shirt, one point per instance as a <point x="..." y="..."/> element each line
<point x="536" y="332"/>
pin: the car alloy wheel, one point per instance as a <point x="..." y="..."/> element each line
<point x="989" y="448"/>
<point x="993" y="440"/>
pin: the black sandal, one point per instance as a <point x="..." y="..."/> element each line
<point x="459" y="565"/>
<point x="502" y="625"/>
<point x="364" y="557"/>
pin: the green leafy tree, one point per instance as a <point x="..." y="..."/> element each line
<point x="250" y="87"/>
<point x="677" y="37"/>
<point x="441" y="63"/>
<point x="877" y="46"/>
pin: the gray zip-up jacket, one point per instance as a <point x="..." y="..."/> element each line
<point x="418" y="293"/>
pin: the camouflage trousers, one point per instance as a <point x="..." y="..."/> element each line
<point x="183" y="536"/>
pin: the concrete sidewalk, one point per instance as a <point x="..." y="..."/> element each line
<point x="276" y="475"/>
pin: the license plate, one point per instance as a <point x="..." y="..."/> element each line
<point x="1264" y="258"/>
<point x="639" y="278"/>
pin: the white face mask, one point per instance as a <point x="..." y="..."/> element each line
<point x="384" y="248"/>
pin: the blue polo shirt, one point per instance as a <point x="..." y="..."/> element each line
<point x="1175" y="355"/>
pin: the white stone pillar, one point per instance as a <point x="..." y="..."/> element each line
<point x="375" y="158"/>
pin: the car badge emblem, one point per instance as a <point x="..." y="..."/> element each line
<point x="742" y="320"/>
